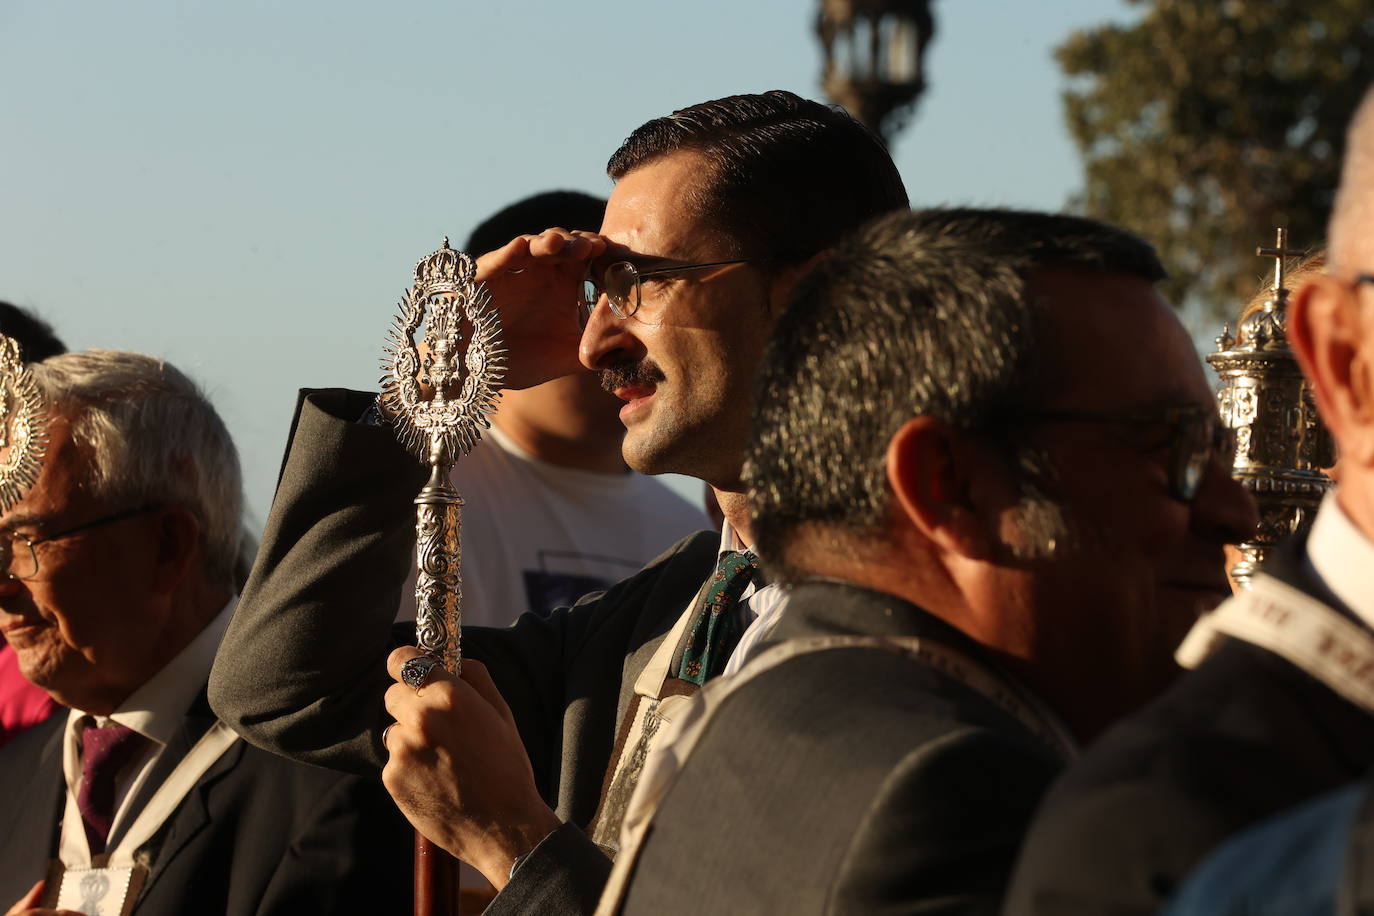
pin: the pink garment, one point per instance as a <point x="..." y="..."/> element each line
<point x="21" y="703"/>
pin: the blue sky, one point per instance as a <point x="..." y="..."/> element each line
<point x="243" y="188"/>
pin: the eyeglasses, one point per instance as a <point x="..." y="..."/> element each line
<point x="619" y="283"/>
<point x="19" y="558"/>
<point x="1198" y="435"/>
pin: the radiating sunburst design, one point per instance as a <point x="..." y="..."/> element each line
<point x="23" y="426"/>
<point x="445" y="298"/>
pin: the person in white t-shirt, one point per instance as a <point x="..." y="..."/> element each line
<point x="550" y="511"/>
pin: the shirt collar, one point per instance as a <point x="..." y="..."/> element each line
<point x="730" y="542"/>
<point x="1341" y="556"/>
<point x="156" y="709"/>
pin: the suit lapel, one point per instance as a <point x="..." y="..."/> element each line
<point x="675" y="589"/>
<point x="193" y="814"/>
<point x="33" y="818"/>
<point x="1346" y="727"/>
<point x="678" y="594"/>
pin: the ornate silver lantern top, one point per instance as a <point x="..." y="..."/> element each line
<point x="875" y="58"/>
<point x="1281" y="444"/>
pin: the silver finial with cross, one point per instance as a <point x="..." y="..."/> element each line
<point x="1278" y="253"/>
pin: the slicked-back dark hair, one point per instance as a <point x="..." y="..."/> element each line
<point x="36" y="338"/>
<point x="569" y="209"/>
<point x="788" y="176"/>
<point x="918" y="314"/>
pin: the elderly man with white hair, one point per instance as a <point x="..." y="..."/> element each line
<point x="116" y="584"/>
<point x="1280" y="708"/>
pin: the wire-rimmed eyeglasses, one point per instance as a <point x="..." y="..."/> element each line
<point x="1198" y="435"/>
<point x="620" y="284"/>
<point x="18" y="553"/>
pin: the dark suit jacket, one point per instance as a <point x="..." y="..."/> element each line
<point x="1243" y="736"/>
<point x="852" y="780"/>
<point x="257" y="835"/>
<point x="301" y="671"/>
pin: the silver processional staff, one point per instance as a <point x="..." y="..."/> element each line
<point x="439" y="389"/>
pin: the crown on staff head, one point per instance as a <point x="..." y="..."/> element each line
<point x="444" y="270"/>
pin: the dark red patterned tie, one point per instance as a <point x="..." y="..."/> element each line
<point x="105" y="751"/>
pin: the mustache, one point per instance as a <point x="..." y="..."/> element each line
<point x="627" y="374"/>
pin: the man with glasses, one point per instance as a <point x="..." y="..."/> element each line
<point x="995" y="525"/>
<point x="766" y="182"/>
<point x="117" y="583"/>
<point x="550" y="510"/>
<point x="1279" y="708"/>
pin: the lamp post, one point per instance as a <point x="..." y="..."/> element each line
<point x="875" y="58"/>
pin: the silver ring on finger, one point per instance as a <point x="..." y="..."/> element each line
<point x="415" y="672"/>
<point x="385" y="732"/>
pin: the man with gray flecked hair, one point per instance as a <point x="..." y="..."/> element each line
<point x="935" y="384"/>
<point x="150" y="436"/>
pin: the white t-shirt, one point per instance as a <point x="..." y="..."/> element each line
<point x="536" y="536"/>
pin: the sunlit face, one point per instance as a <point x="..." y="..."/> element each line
<point x="86" y="627"/>
<point x="574" y="407"/>
<point x="1138" y="565"/>
<point x="684" y="365"/>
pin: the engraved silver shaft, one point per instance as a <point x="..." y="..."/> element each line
<point x="438" y="559"/>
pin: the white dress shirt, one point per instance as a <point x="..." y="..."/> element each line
<point x="1342" y="558"/>
<point x="156" y="711"/>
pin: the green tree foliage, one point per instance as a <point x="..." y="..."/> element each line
<point x="1207" y="123"/>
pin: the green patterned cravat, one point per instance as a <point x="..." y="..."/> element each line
<point x="717" y="627"/>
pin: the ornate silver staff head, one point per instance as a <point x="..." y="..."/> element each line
<point x="440" y="397"/>
<point x="23" y="426"/>
<point x="439" y="390"/>
<point x="1281" y="444"/>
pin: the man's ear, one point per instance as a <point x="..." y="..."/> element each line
<point x="1326" y="332"/>
<point x="178" y="545"/>
<point x="931" y="468"/>
<point x="785" y="279"/>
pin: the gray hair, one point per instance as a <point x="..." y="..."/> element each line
<point x="917" y="314"/>
<point x="150" y="436"/>
<point x="1352" y="216"/>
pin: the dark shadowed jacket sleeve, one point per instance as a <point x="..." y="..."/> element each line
<point x="302" y="669"/>
<point x="564" y="875"/>
<point x="350" y="853"/>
